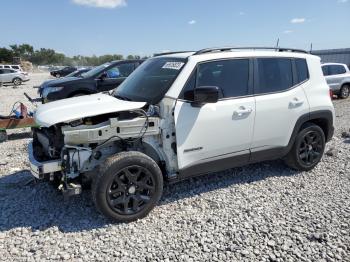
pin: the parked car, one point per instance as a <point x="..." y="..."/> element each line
<point x="181" y="115"/>
<point x="13" y="76"/>
<point x="338" y="78"/>
<point x="78" y="72"/>
<point x="63" y="72"/>
<point x="15" y="67"/>
<point x="99" y="79"/>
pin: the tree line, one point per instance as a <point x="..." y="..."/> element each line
<point x="47" y="56"/>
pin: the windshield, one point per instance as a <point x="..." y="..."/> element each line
<point x="95" y="70"/>
<point x="151" y="80"/>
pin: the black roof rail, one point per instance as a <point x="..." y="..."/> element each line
<point x="170" y="53"/>
<point x="223" y="49"/>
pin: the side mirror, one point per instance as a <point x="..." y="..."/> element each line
<point x="103" y="76"/>
<point x="205" y="94"/>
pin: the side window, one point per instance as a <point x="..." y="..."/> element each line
<point x="15" y="67"/>
<point x="231" y="76"/>
<point x="187" y="91"/>
<point x="302" y="70"/>
<point x="275" y="75"/>
<point x="325" y="70"/>
<point x="337" y="69"/>
<point x="126" y="69"/>
<point x="123" y="70"/>
<point x="6" y="66"/>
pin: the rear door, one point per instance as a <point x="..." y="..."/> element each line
<point x="115" y="76"/>
<point x="215" y="135"/>
<point x="280" y="100"/>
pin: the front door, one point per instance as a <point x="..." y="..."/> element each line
<point x="215" y="136"/>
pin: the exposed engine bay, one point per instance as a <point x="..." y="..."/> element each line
<point x="83" y="144"/>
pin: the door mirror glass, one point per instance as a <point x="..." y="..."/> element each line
<point x="206" y="94"/>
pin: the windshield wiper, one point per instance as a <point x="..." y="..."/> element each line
<point x="122" y="98"/>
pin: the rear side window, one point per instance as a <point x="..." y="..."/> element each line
<point x="274" y="75"/>
<point x="336" y="70"/>
<point x="302" y="70"/>
<point x="325" y="70"/>
<point x="15" y="67"/>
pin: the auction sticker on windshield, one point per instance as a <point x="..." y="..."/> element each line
<point x="173" y="65"/>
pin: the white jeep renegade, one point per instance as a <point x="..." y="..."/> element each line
<point x="181" y="115"/>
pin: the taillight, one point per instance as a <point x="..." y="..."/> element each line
<point x="331" y="93"/>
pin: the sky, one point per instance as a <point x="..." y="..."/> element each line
<point x="144" y="27"/>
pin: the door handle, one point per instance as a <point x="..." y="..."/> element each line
<point x="242" y="111"/>
<point x="296" y="102"/>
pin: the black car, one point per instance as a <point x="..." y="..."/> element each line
<point x="99" y="79"/>
<point x="63" y="72"/>
<point x="78" y="72"/>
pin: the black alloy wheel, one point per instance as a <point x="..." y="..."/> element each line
<point x="311" y="148"/>
<point x="131" y="190"/>
<point x="127" y="186"/>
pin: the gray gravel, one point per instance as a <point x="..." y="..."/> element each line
<point x="262" y="212"/>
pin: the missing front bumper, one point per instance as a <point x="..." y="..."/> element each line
<point x="40" y="169"/>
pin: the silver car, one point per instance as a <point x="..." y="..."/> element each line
<point x="12" y="76"/>
<point x="338" y="78"/>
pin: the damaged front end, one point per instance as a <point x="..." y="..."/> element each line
<point x="70" y="153"/>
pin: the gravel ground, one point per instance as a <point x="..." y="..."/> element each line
<point x="262" y="212"/>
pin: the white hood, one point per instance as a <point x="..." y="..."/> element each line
<point x="71" y="109"/>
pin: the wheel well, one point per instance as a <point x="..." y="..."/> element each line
<point x="321" y="122"/>
<point x="345" y="84"/>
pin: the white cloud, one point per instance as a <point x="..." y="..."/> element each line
<point x="241" y="13"/>
<point x="297" y="20"/>
<point x="101" y="3"/>
<point x="287" y="31"/>
<point x="342" y="1"/>
<point x="192" y="22"/>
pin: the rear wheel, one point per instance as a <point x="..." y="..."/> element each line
<point x="344" y="91"/>
<point x="308" y="148"/>
<point x="127" y="187"/>
<point x="17" y="81"/>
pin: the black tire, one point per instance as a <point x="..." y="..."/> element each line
<point x="344" y="91"/>
<point x="127" y="187"/>
<point x="17" y="81"/>
<point x="308" y="148"/>
<point x="3" y="136"/>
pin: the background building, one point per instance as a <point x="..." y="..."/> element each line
<point x="334" y="55"/>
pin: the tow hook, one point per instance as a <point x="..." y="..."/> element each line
<point x="70" y="189"/>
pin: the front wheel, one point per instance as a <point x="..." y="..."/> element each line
<point x="344" y="91"/>
<point x="17" y="81"/>
<point x="127" y="187"/>
<point x="308" y="148"/>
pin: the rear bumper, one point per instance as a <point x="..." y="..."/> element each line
<point x="40" y="169"/>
